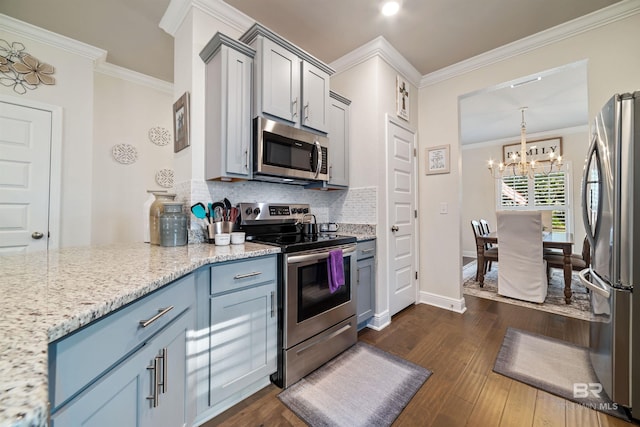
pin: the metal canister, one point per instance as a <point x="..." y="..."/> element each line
<point x="173" y="225"/>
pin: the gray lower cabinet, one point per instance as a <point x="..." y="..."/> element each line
<point x="242" y="316"/>
<point x="119" y="371"/>
<point x="366" y="274"/>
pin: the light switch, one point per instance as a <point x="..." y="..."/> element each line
<point x="444" y="208"/>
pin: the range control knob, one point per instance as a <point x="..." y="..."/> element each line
<point x="256" y="211"/>
<point x="248" y="211"/>
<point x="295" y="210"/>
<point x="305" y="210"/>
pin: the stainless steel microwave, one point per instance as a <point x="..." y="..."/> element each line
<point x="286" y="154"/>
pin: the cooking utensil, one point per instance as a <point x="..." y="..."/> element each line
<point x="199" y="210"/>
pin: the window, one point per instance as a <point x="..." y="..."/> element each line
<point x="544" y="192"/>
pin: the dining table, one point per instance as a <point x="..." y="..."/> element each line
<point x="550" y="240"/>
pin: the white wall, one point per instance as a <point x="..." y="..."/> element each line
<point x="613" y="64"/>
<point x="479" y="189"/>
<point x="73" y="91"/>
<point x="101" y="200"/>
<point x="125" y="112"/>
<point x="371" y="86"/>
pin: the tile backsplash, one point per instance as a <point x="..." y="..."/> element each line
<point x="354" y="205"/>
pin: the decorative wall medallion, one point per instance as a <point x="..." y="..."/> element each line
<point x="159" y="135"/>
<point x="125" y="153"/>
<point x="164" y="178"/>
<point x="22" y="71"/>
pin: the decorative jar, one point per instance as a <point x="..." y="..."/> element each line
<point x="173" y="225"/>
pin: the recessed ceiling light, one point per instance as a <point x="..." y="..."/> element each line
<point x="390" y="8"/>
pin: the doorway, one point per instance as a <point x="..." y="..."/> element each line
<point x="29" y="176"/>
<point x="401" y="214"/>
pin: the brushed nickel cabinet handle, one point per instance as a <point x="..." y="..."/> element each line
<point x="273" y="307"/>
<point x="163" y="384"/>
<point x="154" y="376"/>
<point x="395" y="228"/>
<point x="37" y="235"/>
<point x="244" y="276"/>
<point x="294" y="106"/>
<point x="161" y="312"/>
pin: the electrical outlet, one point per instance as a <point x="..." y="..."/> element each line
<point x="444" y="208"/>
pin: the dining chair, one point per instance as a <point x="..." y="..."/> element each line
<point x="484" y="226"/>
<point x="489" y="254"/>
<point x="578" y="261"/>
<point x="523" y="272"/>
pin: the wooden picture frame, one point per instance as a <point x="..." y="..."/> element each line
<point x="402" y="98"/>
<point x="437" y="160"/>
<point x="537" y="149"/>
<point x="181" y="123"/>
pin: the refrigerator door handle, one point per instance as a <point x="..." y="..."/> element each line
<point x="591" y="229"/>
<point x="595" y="287"/>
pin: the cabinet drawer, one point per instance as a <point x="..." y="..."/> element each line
<point x="240" y="274"/>
<point x="366" y="249"/>
<point x="78" y="359"/>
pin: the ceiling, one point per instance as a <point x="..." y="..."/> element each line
<point x="430" y="34"/>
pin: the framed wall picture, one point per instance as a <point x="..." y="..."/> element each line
<point x="402" y="98"/>
<point x="537" y="150"/>
<point x="181" y="123"/>
<point x="437" y="159"/>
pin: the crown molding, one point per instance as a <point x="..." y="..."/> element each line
<point x="134" y="77"/>
<point x="50" y="38"/>
<point x="178" y="10"/>
<point x="382" y="48"/>
<point x="615" y="12"/>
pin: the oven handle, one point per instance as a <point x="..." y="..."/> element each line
<point x="292" y="259"/>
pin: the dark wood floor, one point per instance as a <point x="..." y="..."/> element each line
<point x="460" y="349"/>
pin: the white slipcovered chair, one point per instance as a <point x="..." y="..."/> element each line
<point x="523" y="272"/>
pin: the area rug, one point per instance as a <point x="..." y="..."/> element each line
<point x="580" y="307"/>
<point x="555" y="366"/>
<point x="364" y="386"/>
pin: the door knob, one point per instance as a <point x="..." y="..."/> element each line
<point x="394" y="228"/>
<point x="37" y="235"/>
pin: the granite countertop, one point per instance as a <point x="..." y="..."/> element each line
<point x="48" y="295"/>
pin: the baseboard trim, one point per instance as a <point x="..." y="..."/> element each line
<point x="379" y="321"/>
<point x="456" y="305"/>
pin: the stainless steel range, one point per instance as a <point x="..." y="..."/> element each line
<point x="314" y="323"/>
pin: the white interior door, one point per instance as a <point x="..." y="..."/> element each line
<point x="401" y="185"/>
<point x="25" y="155"/>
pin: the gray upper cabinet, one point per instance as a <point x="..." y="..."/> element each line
<point x="227" y="108"/>
<point x="289" y="84"/>
<point x="339" y="140"/>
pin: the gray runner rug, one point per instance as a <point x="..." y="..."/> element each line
<point x="364" y="386"/>
<point x="555" y="366"/>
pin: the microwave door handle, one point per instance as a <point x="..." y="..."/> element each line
<point x="319" y="164"/>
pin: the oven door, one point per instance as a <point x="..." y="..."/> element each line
<point x="309" y="305"/>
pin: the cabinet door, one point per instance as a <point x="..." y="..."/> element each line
<point x="243" y="340"/>
<point x="238" y="123"/>
<point x="366" y="291"/>
<point x="280" y="82"/>
<point x="315" y="98"/>
<point x="338" y="143"/>
<point x="121" y="397"/>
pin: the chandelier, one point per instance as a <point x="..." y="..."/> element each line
<point x="517" y="165"/>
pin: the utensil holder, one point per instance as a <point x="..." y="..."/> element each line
<point x="218" y="228"/>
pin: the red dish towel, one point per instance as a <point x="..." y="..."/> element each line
<point x="335" y="270"/>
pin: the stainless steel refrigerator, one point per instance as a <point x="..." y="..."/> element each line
<point x="611" y="214"/>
